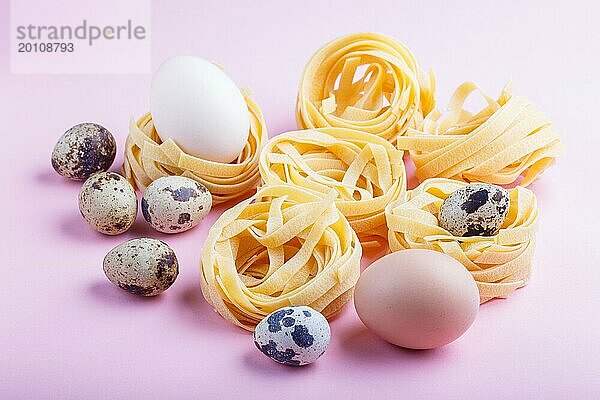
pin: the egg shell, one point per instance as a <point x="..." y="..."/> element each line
<point x="174" y="204"/>
<point x="145" y="267"/>
<point x="418" y="299"/>
<point x="296" y="335"/>
<point x="108" y="203"/>
<point x="478" y="209"/>
<point x="194" y="102"/>
<point x="83" y="150"/>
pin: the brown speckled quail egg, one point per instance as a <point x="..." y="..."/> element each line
<point x="174" y="204"/>
<point x="83" y="150"/>
<point x="478" y="209"/>
<point x="295" y="335"/>
<point x="108" y="202"/>
<point x="145" y="267"/>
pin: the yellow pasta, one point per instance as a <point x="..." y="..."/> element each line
<point x="366" y="172"/>
<point x="284" y="246"/>
<point x="365" y="81"/>
<point x="500" y="264"/>
<point x="147" y="159"/>
<point x="510" y="138"/>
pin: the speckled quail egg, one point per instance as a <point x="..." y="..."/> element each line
<point x="296" y="335"/>
<point x="143" y="266"/>
<point x="174" y="204"/>
<point x="108" y="202"/>
<point x="83" y="150"/>
<point x="478" y="209"/>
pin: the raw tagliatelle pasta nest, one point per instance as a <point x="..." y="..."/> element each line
<point x="366" y="172"/>
<point x="365" y="81"/>
<point x="284" y="246"/>
<point x="147" y="159"/>
<point x="508" y="139"/>
<point x="500" y="264"/>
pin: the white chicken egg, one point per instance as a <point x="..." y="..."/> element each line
<point x="196" y="104"/>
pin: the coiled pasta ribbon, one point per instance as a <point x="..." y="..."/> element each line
<point x="147" y="159"/>
<point x="365" y="81"/>
<point x="500" y="264"/>
<point x="284" y="246"/>
<point x="366" y="172"/>
<point x="509" y="138"/>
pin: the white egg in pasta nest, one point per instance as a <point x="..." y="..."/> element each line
<point x="196" y="104"/>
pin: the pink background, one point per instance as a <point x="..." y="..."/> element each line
<point x="133" y="55"/>
<point x="66" y="333"/>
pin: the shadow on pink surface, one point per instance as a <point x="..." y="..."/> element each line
<point x="48" y="177"/>
<point x="107" y="293"/>
<point x="256" y="362"/>
<point x="359" y="344"/>
<point x="199" y="314"/>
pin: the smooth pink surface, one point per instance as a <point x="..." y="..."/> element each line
<point x="67" y="333"/>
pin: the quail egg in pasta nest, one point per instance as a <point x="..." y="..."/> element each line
<point x="478" y="209"/>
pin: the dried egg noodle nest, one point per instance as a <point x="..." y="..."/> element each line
<point x="366" y="171"/>
<point x="509" y="138"/>
<point x="284" y="246"/>
<point x="391" y="95"/>
<point x="147" y="159"/>
<point x="500" y="263"/>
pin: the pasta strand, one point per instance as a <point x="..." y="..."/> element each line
<point x="366" y="172"/>
<point x="509" y="141"/>
<point x="284" y="246"/>
<point x="500" y="264"/>
<point x="364" y="81"/>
